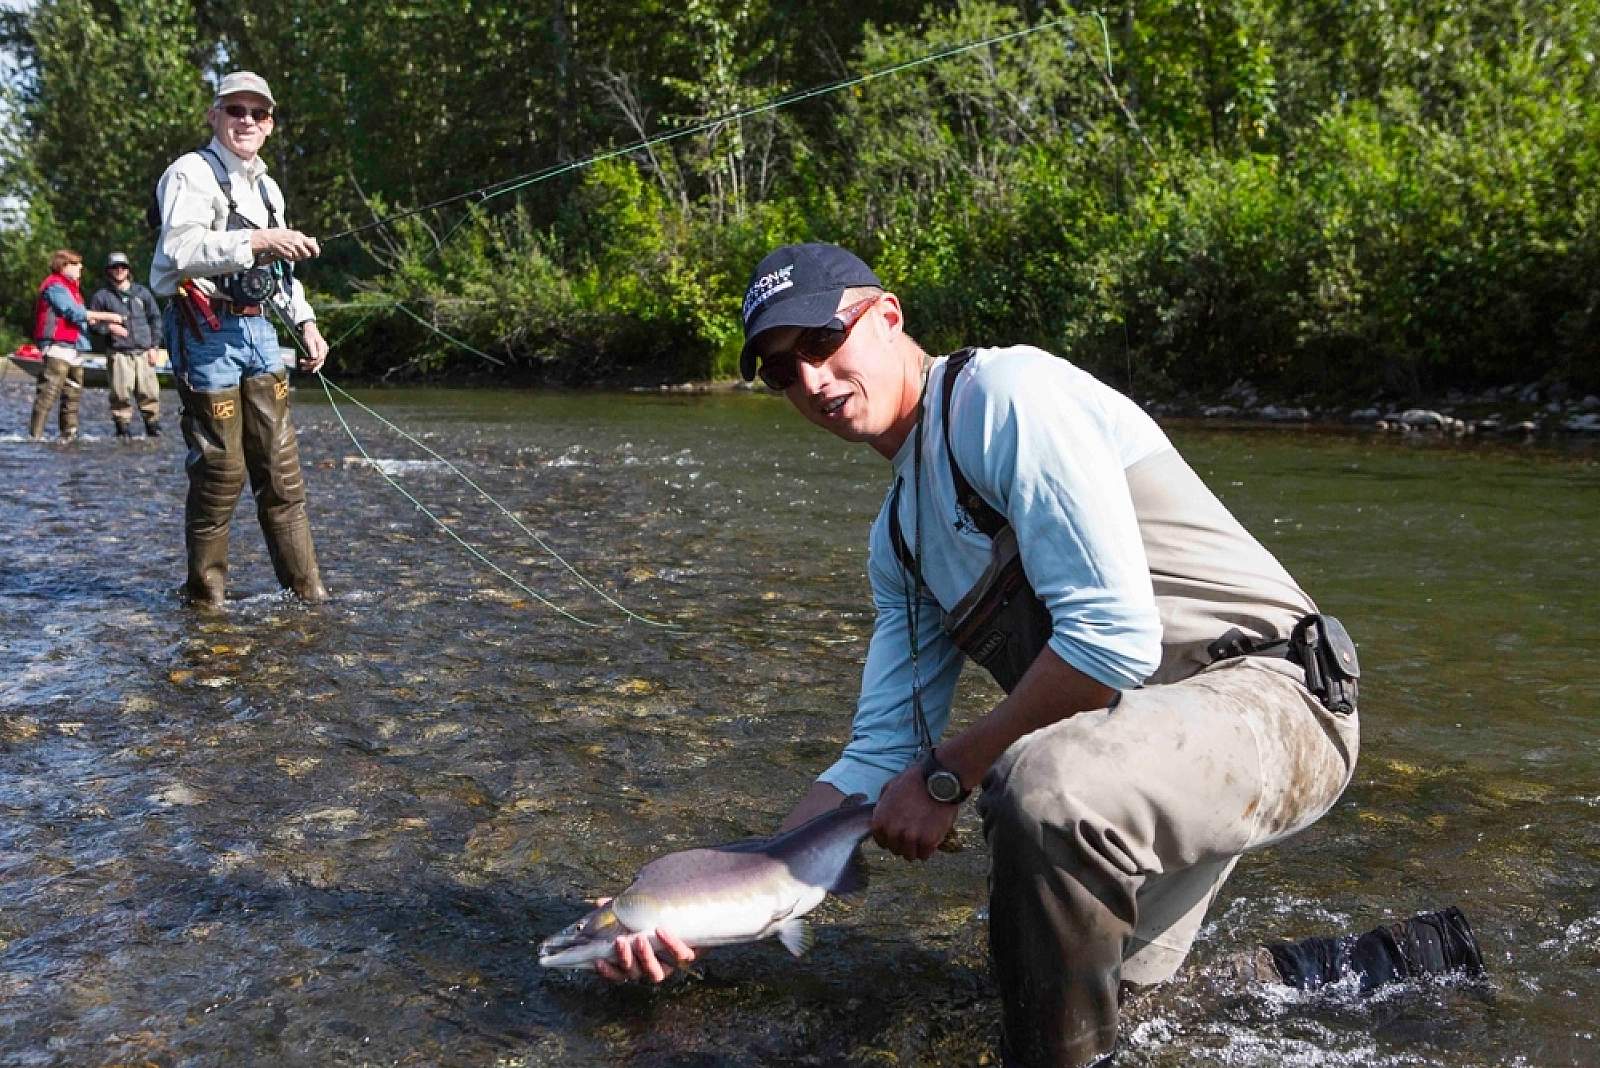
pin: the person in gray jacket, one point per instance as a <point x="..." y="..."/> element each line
<point x="134" y="348"/>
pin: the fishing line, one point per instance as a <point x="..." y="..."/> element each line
<point x="328" y="384"/>
<point x="497" y="361"/>
<point x="522" y="181"/>
<point x="425" y="510"/>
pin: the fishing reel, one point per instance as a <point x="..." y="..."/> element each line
<point x="254" y="286"/>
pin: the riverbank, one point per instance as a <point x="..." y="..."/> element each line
<point x="1529" y="410"/>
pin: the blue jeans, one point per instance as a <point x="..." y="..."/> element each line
<point x="246" y="346"/>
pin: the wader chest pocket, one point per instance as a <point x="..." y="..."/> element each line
<point x="1001" y="623"/>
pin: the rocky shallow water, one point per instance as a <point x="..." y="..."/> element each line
<point x="333" y="835"/>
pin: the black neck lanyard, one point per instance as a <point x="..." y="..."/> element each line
<point x="913" y="584"/>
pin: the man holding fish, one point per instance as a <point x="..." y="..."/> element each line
<point x="1173" y="699"/>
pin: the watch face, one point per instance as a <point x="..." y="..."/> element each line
<point x="944" y="786"/>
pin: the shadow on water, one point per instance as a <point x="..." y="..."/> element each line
<point x="284" y="835"/>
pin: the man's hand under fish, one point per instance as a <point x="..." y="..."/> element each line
<point x="724" y="895"/>
<point x="636" y="957"/>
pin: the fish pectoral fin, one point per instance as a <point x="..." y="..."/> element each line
<point x="795" y="934"/>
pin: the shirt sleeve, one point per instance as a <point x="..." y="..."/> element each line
<point x="98" y="302"/>
<point x="1043" y="452"/>
<point x="883" y="737"/>
<point x="63" y="304"/>
<point x="153" y="314"/>
<point x="187" y="240"/>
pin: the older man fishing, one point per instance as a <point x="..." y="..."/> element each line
<point x="223" y="258"/>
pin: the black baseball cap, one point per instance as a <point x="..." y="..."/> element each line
<point x="798" y="285"/>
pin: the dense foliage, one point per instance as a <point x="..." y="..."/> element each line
<point x="1329" y="197"/>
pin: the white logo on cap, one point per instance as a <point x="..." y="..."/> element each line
<point x="765" y="287"/>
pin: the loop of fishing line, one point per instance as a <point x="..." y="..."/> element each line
<point x="328" y="386"/>
<point x="349" y="432"/>
<point x="510" y="185"/>
<point x="522" y="181"/>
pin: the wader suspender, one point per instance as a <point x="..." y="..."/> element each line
<point x="1000" y="624"/>
<point x="988" y="520"/>
<point x="220" y="172"/>
<point x="239" y="222"/>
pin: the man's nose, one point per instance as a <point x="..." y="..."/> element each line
<point x="812" y="376"/>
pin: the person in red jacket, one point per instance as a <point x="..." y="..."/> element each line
<point x="60" y="329"/>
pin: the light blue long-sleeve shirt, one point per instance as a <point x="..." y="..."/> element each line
<point x="1048" y="445"/>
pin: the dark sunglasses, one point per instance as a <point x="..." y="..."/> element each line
<point x="814" y="344"/>
<point x="239" y="111"/>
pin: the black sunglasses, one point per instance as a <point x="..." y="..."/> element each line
<point x="239" y="111"/>
<point x="814" y="344"/>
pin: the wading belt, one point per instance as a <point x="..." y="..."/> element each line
<point x="1322" y="648"/>
<point x="1003" y="626"/>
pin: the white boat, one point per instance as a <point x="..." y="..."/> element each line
<point x="31" y="360"/>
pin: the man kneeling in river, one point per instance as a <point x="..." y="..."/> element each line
<point x="1173" y="697"/>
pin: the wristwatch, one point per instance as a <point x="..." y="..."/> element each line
<point x="943" y="784"/>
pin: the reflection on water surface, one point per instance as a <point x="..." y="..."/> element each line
<point x="333" y="835"/>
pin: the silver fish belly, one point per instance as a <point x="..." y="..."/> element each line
<point x="740" y="892"/>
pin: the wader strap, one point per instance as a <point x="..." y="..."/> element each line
<point x="1236" y="643"/>
<point x="219" y="171"/>
<point x="988" y="520"/>
<point x="282" y="268"/>
<point x="985" y="515"/>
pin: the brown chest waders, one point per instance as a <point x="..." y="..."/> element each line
<point x="213" y="429"/>
<point x="272" y="456"/>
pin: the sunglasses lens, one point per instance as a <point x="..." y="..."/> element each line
<point x="777" y="371"/>
<point x="820" y="342"/>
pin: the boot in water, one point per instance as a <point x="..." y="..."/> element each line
<point x="1434" y="943"/>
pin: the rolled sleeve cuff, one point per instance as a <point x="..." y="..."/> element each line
<point x="1124" y="672"/>
<point x="852" y="775"/>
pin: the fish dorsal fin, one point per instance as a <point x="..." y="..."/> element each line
<point x="795" y="934"/>
<point x="852" y="877"/>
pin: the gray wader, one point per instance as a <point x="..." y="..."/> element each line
<point x="60" y="379"/>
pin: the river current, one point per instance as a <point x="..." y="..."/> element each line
<point x="282" y="835"/>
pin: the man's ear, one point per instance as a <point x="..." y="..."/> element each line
<point x="893" y="316"/>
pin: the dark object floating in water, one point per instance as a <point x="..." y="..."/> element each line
<point x="1434" y="943"/>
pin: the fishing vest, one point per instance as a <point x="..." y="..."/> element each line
<point x="48" y="327"/>
<point x="230" y="284"/>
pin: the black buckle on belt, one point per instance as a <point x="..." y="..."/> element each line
<point x="1237" y="643"/>
<point x="1319" y="645"/>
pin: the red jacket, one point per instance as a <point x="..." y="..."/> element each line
<point x="48" y="327"/>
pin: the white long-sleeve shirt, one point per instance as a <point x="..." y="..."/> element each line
<point x="1138" y="563"/>
<point x="194" y="240"/>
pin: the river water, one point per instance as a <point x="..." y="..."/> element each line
<point x="334" y="835"/>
